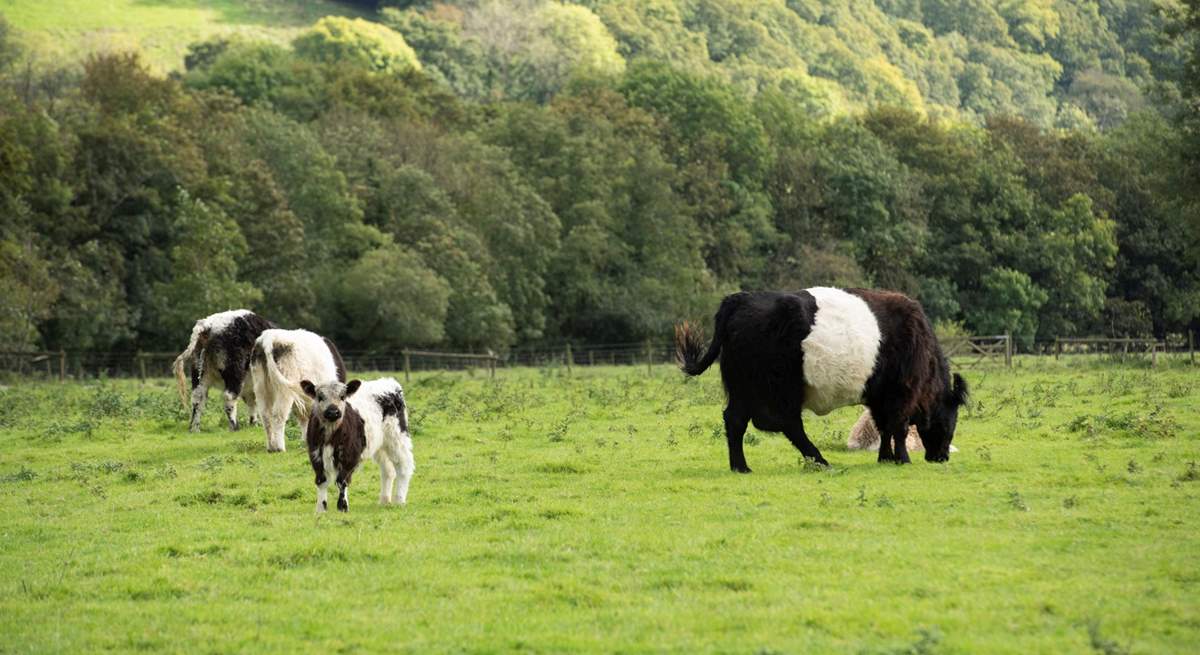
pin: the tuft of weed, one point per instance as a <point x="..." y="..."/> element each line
<point x="317" y="556"/>
<point x="1156" y="424"/>
<point x="1190" y="474"/>
<point x="59" y="429"/>
<point x="1102" y="644"/>
<point x="1016" y="501"/>
<point x="559" y="467"/>
<point x="215" y="497"/>
<point x="558" y="432"/>
<point x="926" y="643"/>
<point x="107" y="402"/>
<point x="22" y="475"/>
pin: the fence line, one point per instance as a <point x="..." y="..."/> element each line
<point x="962" y="351"/>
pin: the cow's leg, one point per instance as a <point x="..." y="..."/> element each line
<point x="231" y="400"/>
<point x="251" y="401"/>
<point x="233" y="389"/>
<point x="893" y="435"/>
<point x="199" y="391"/>
<point x="795" y="434"/>
<point x="884" y="416"/>
<point x="318" y="464"/>
<point x="736" y="420"/>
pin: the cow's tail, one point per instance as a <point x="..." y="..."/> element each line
<point x="196" y="343"/>
<point x="689" y="341"/>
<point x="265" y="347"/>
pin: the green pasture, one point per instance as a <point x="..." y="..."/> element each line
<point x="160" y="30"/>
<point x="594" y="512"/>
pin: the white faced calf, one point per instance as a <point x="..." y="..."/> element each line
<point x="356" y="420"/>
<point x="281" y="359"/>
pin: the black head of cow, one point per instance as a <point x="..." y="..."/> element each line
<point x="943" y="420"/>
<point x="329" y="398"/>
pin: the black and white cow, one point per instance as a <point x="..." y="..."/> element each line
<point x="281" y="359"/>
<point x="356" y="420"/>
<point x="821" y="349"/>
<point x="219" y="352"/>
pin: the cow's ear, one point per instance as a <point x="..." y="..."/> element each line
<point x="959" y="391"/>
<point x="351" y="387"/>
<point x="308" y="388"/>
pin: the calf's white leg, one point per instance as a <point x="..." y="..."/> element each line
<point x="387" y="476"/>
<point x="406" y="466"/>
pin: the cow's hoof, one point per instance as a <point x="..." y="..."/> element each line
<point x="740" y="469"/>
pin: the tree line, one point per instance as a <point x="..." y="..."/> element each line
<point x="484" y="175"/>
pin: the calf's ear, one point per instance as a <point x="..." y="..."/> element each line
<point x="351" y="387"/>
<point x="308" y="388"/>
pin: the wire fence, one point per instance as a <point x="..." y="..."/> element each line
<point x="963" y="352"/>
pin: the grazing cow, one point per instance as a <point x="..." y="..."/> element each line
<point x="219" y="351"/>
<point x="281" y="359"/>
<point x="824" y="348"/>
<point x="356" y="420"/>
<point x="865" y="436"/>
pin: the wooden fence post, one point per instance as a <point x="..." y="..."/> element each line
<point x="407" y="367"/>
<point x="1057" y="348"/>
<point x="570" y="357"/>
<point x="1192" y="346"/>
<point x="492" y="364"/>
<point x="649" y="370"/>
<point x="1008" y="350"/>
<point x="141" y="360"/>
<point x="1153" y="355"/>
<point x="591" y="358"/>
<point x="62" y="366"/>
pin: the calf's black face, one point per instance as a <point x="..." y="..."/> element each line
<point x="329" y="399"/>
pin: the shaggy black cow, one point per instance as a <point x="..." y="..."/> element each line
<point x="823" y="348"/>
<point x="219" y="351"/>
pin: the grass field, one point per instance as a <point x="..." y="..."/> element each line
<point x="595" y="513"/>
<point x="160" y="29"/>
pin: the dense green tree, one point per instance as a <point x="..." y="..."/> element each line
<point x="388" y="299"/>
<point x="355" y="41"/>
<point x="204" y="273"/>
<point x="26" y="296"/>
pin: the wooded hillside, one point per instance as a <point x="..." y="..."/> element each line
<point x="484" y="174"/>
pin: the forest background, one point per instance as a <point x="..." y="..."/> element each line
<point x="480" y="174"/>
